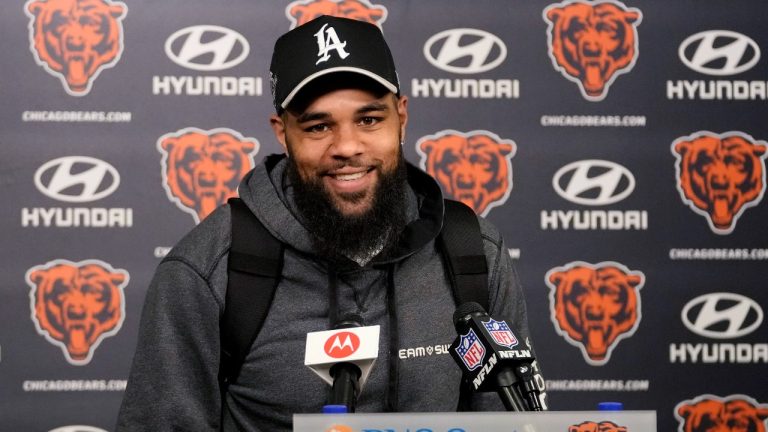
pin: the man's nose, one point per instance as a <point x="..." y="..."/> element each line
<point x="347" y="143"/>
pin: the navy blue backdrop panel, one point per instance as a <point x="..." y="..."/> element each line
<point x="619" y="146"/>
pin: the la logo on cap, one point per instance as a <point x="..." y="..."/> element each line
<point x="328" y="40"/>
<point x="342" y="344"/>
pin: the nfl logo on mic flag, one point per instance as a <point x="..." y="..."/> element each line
<point x="470" y="350"/>
<point x="501" y="333"/>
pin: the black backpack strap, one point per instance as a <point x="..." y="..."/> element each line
<point x="461" y="244"/>
<point x="253" y="271"/>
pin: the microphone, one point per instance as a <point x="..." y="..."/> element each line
<point x="346" y="376"/>
<point x="343" y="357"/>
<point x="490" y="355"/>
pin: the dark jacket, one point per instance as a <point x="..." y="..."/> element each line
<point x="173" y="381"/>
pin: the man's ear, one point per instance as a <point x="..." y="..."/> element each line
<point x="278" y="127"/>
<point x="402" y="112"/>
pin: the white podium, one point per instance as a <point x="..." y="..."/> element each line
<point x="547" y="421"/>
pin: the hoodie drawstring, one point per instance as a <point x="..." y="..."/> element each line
<point x="333" y="301"/>
<point x="394" y="361"/>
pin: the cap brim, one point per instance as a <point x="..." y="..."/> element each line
<point x="388" y="85"/>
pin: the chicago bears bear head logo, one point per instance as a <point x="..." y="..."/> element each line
<point x="590" y="426"/>
<point x="594" y="306"/>
<point x="720" y="176"/>
<point x="474" y="168"/>
<point x="202" y="169"/>
<point x="304" y="11"/>
<point x="76" y="39"/>
<point x="76" y="305"/>
<point x="592" y="43"/>
<point x="708" y="413"/>
<point x="339" y="428"/>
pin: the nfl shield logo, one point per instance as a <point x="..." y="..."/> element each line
<point x="501" y="333"/>
<point x="470" y="350"/>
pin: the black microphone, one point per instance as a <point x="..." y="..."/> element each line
<point x="490" y="355"/>
<point x="346" y="376"/>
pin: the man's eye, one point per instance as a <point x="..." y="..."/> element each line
<point x="369" y="121"/>
<point x="317" y="128"/>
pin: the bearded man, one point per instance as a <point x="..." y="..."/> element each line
<point x="358" y="226"/>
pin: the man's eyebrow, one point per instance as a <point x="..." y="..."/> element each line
<point x="309" y="116"/>
<point x="312" y="116"/>
<point x="373" y="106"/>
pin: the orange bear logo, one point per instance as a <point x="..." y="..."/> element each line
<point x="339" y="428"/>
<point x="304" y="11"/>
<point x="720" y="176"/>
<point x="592" y="43"/>
<point x="202" y="169"/>
<point x="595" y="306"/>
<point x="735" y="413"/>
<point x="474" y="168"/>
<point x="590" y="426"/>
<point x="77" y="305"/>
<point x="76" y="39"/>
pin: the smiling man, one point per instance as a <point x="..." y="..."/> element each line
<point x="341" y="119"/>
<point x="345" y="163"/>
<point x="359" y="229"/>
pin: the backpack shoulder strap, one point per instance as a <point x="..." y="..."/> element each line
<point x="461" y="244"/>
<point x="253" y="271"/>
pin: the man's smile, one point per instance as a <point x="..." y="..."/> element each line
<point x="350" y="179"/>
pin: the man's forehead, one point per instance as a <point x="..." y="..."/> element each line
<point x="331" y="83"/>
<point x="352" y="101"/>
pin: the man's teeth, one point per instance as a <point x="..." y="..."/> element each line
<point x="349" y="177"/>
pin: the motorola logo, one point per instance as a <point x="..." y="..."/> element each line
<point x="722" y="315"/>
<point x="341" y="345"/>
<point x="77" y="179"/>
<point x="593" y="182"/>
<point x="465" y="51"/>
<point x="719" y="52"/>
<point x="207" y="48"/>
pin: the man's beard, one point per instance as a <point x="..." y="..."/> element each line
<point x="336" y="235"/>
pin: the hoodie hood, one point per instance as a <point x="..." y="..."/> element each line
<point x="269" y="196"/>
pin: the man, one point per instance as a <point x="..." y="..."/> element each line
<point x="359" y="227"/>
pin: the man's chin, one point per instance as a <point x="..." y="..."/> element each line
<point x="353" y="206"/>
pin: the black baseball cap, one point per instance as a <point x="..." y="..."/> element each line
<point x="329" y="45"/>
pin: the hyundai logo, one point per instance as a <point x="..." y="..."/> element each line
<point x="719" y="52"/>
<point x="77" y="179"/>
<point x="722" y="315"/>
<point x="207" y="48"/>
<point x="465" y="51"/>
<point x="593" y="182"/>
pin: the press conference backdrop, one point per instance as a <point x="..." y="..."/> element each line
<point x="619" y="147"/>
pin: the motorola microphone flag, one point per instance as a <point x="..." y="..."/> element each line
<point x="356" y="345"/>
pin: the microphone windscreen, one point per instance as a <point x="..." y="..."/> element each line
<point x="349" y="321"/>
<point x="465" y="309"/>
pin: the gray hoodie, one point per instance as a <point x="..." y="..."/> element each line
<point x="173" y="380"/>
